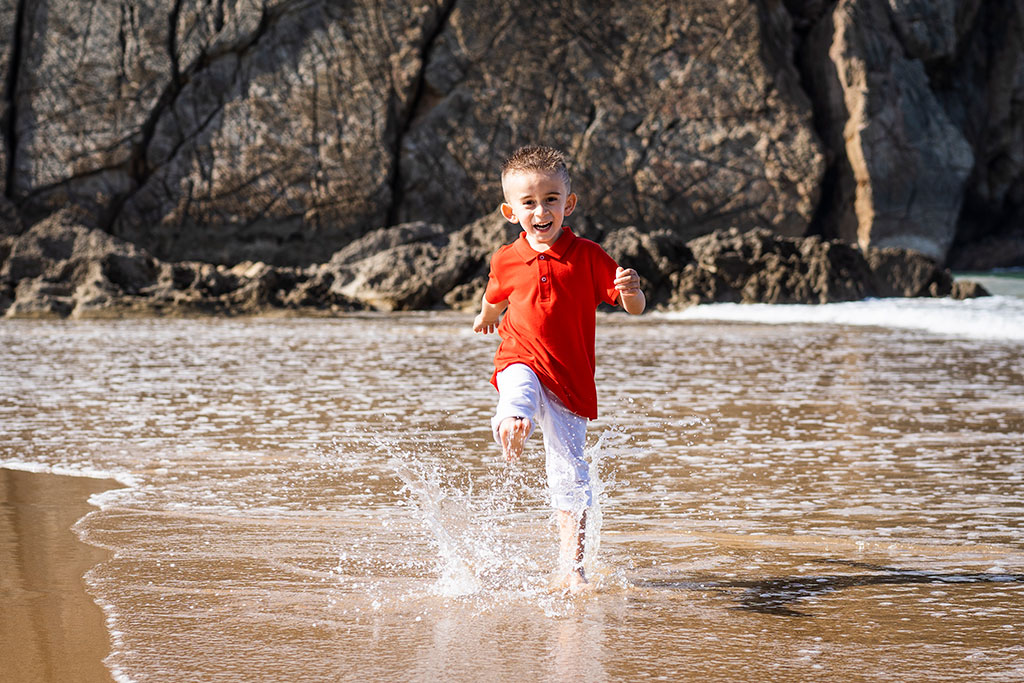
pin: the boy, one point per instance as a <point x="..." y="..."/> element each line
<point x="549" y="283"/>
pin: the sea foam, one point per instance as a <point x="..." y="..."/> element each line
<point x="999" y="318"/>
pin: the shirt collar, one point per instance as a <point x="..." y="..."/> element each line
<point x="556" y="251"/>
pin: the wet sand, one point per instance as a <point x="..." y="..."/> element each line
<point x="51" y="629"/>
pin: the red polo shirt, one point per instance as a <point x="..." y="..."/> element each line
<point x="549" y="323"/>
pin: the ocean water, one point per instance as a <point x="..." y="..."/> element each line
<point x="807" y="493"/>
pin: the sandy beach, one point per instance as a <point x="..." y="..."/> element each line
<point x="51" y="629"/>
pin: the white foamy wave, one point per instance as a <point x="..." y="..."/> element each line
<point x="996" y="317"/>
<point x="86" y="471"/>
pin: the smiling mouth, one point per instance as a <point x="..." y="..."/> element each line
<point x="542" y="226"/>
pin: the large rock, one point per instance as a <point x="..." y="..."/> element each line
<point x="760" y="267"/>
<point x="280" y="131"/>
<point x="59" y="268"/>
<point x="982" y="88"/>
<point x="904" y="160"/>
<point x="673" y="117"/>
<point x="917" y="103"/>
<point x="419" y="265"/>
<point x="218" y="131"/>
<point x="655" y="256"/>
<point x="995" y="251"/>
<point x="9" y="42"/>
<point x="400" y="268"/>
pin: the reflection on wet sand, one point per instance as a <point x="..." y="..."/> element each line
<point x="51" y="630"/>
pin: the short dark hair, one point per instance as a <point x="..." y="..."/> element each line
<point x="537" y="158"/>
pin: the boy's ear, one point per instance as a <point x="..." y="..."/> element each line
<point x="508" y="213"/>
<point x="570" y="203"/>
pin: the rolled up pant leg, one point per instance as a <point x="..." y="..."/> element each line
<point x="565" y="437"/>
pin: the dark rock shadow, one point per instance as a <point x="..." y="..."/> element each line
<point x="778" y="595"/>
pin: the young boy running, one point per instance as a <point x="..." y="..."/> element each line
<point x="548" y="283"/>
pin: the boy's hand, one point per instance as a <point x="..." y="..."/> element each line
<point x="632" y="298"/>
<point x="627" y="281"/>
<point x="487" y="320"/>
<point x="484" y="326"/>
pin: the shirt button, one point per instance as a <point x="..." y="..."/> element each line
<point x="542" y="257"/>
<point x="544" y="278"/>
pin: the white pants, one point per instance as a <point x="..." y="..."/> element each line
<point x="521" y="394"/>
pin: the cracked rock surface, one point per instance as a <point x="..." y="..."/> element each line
<point x="283" y="132"/>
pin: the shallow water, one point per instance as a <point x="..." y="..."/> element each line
<point x="312" y="500"/>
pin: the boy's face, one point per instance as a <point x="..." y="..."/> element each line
<point x="538" y="201"/>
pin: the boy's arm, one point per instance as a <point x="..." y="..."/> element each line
<point x="487" y="320"/>
<point x="627" y="281"/>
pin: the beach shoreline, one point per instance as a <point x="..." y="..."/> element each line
<point x="52" y="629"/>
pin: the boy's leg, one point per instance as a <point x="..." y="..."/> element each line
<point x="519" y="397"/>
<point x="572" y="533"/>
<point x="569" y="486"/>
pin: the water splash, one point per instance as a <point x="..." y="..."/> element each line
<point x="599" y="490"/>
<point x="492" y="530"/>
<point x="611" y="443"/>
<point x="474" y="518"/>
<point x="446" y="513"/>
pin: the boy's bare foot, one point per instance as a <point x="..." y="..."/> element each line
<point x="572" y="582"/>
<point x="513" y="432"/>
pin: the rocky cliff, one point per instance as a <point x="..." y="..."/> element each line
<point x="283" y="131"/>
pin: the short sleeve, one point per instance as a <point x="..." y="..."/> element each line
<point x="496" y="292"/>
<point x="603" y="267"/>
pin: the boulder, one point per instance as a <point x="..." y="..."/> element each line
<point x="10" y="220"/>
<point x="981" y="87"/>
<point x="39" y="298"/>
<point x="411" y="266"/>
<point x="994" y="251"/>
<point x="761" y="267"/>
<point x="902" y="273"/>
<point x="655" y="256"/>
<point x="402" y="278"/>
<point x="673" y="117"/>
<point x="967" y="289"/>
<point x="59" y="267"/>
<point x="218" y="131"/>
<point x="915" y="104"/>
<point x="476" y="243"/>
